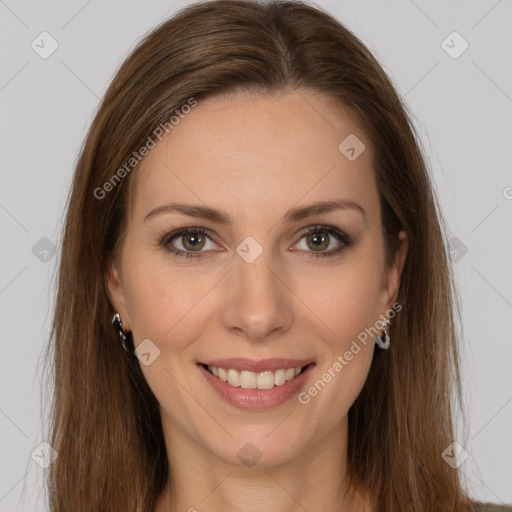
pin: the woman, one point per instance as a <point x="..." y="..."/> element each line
<point x="255" y="310"/>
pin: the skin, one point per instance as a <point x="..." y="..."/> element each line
<point x="255" y="157"/>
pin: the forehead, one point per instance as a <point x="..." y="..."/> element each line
<point x="242" y="152"/>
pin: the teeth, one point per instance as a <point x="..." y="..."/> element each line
<point x="234" y="378"/>
<point x="279" y="377"/>
<point x="290" y="373"/>
<point x="252" y="380"/>
<point x="248" y="380"/>
<point x="265" y="380"/>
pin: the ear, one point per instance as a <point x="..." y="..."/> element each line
<point x="117" y="293"/>
<point x="391" y="283"/>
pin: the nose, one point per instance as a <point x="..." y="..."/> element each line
<point x="258" y="301"/>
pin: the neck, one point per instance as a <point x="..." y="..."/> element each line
<point x="313" y="480"/>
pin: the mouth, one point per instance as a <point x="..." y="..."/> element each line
<point x="247" y="379"/>
<point x="256" y="385"/>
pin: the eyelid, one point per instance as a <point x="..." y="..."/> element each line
<point x="168" y="237"/>
<point x="342" y="237"/>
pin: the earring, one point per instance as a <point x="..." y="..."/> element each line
<point x="384" y="340"/>
<point x="118" y="326"/>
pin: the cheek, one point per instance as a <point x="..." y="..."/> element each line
<point x="167" y="302"/>
<point x="349" y="307"/>
<point x="349" y="302"/>
<point x="167" y="306"/>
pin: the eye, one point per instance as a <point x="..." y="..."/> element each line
<point x="188" y="242"/>
<point x="320" y="238"/>
<point x="185" y="241"/>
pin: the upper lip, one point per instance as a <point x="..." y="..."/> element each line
<point x="260" y="365"/>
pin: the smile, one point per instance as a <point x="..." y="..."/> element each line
<point x="245" y="379"/>
<point x="256" y="385"/>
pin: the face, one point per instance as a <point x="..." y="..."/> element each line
<point x="260" y="284"/>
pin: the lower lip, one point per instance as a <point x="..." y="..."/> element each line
<point x="256" y="399"/>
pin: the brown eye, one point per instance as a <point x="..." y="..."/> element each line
<point x="193" y="241"/>
<point x="317" y="239"/>
<point x="188" y="242"/>
<point x="318" y="242"/>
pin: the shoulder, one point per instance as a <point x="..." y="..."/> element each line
<point x="492" y="507"/>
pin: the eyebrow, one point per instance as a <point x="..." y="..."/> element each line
<point x="224" y="218"/>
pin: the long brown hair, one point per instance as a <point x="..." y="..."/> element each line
<point x="105" y="422"/>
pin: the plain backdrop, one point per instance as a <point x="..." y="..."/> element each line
<point x="458" y="87"/>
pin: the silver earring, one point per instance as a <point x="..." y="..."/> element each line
<point x="384" y="340"/>
<point x="118" y="326"/>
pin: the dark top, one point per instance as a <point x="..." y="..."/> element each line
<point x="493" y="507"/>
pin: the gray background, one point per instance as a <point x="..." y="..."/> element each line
<point x="461" y="106"/>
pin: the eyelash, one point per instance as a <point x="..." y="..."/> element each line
<point x="339" y="235"/>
